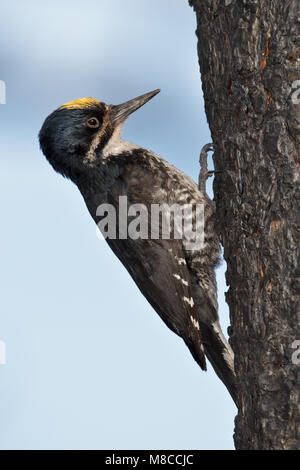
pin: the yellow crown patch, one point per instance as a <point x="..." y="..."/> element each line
<point x="80" y="103"/>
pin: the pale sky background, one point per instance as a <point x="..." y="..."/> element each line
<point x="90" y="365"/>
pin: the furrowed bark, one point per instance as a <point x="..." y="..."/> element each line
<point x="249" y="56"/>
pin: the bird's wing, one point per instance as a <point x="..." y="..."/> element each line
<point x="159" y="270"/>
<point x="158" y="267"/>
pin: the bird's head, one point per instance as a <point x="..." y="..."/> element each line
<point x="73" y="137"/>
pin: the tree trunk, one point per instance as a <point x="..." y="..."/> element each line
<point x="249" y="55"/>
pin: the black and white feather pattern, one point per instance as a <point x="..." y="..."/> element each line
<point x="180" y="284"/>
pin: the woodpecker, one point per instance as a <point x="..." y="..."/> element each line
<point x="82" y="140"/>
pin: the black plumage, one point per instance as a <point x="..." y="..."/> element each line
<point x="82" y="141"/>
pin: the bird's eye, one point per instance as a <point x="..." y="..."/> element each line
<point x="93" y="123"/>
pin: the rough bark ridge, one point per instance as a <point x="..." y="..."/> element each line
<point x="249" y="55"/>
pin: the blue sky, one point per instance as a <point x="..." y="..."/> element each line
<point x="90" y="365"/>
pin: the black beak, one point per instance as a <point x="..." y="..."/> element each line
<point x="120" y="112"/>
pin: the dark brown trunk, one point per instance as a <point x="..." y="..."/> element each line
<point x="249" y="55"/>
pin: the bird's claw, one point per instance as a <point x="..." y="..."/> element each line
<point x="204" y="173"/>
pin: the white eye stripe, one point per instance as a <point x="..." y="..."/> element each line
<point x="91" y="154"/>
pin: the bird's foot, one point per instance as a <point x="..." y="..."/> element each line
<point x="204" y="173"/>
